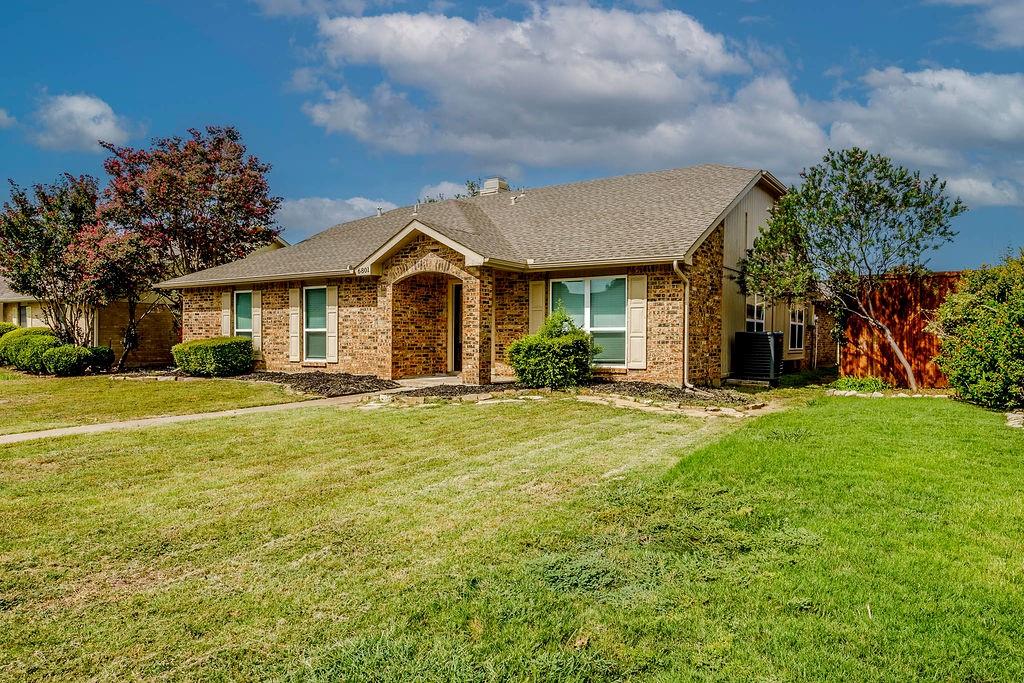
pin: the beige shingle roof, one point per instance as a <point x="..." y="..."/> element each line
<point x="9" y="295"/>
<point x="654" y="216"/>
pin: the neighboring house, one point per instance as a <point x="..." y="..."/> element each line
<point x="156" y="332"/>
<point x="905" y="304"/>
<point x="647" y="263"/>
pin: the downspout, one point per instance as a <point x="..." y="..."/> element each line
<point x="686" y="323"/>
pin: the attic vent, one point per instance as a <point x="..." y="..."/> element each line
<point x="494" y="186"/>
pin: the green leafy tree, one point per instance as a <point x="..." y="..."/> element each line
<point x="856" y="218"/>
<point x="44" y="253"/>
<point x="981" y="328"/>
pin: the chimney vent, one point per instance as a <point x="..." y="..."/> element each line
<point x="494" y="185"/>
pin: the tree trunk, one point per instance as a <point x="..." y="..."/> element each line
<point x="911" y="380"/>
<point x="130" y="335"/>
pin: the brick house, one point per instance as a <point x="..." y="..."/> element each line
<point x="157" y="331"/>
<point x="647" y="263"/>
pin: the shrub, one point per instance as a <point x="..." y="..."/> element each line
<point x="101" y="358"/>
<point x="7" y="327"/>
<point x="30" y="354"/>
<point x="67" y="360"/>
<point x="559" y="355"/>
<point x="217" y="357"/>
<point x="863" y="384"/>
<point x="12" y="342"/>
<point x="981" y="328"/>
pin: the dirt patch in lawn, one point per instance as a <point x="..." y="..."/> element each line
<point x="711" y="396"/>
<point x="327" y="384"/>
<point x="643" y="390"/>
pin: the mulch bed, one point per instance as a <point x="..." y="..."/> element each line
<point x="651" y="390"/>
<point x="327" y="384"/>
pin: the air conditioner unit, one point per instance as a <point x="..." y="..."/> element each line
<point x="759" y="355"/>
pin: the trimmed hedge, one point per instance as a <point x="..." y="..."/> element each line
<point x="67" y="360"/>
<point x="101" y="358"/>
<point x="7" y="327"/>
<point x="217" y="357"/>
<point x="30" y="354"/>
<point x="559" y="355"/>
<point x="13" y="342"/>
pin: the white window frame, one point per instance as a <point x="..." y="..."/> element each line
<point x="234" y="312"/>
<point x="758" y="305"/>
<point x="305" y="330"/>
<point x="801" y="323"/>
<point x="586" y="308"/>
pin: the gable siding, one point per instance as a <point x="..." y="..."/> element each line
<point x="742" y="225"/>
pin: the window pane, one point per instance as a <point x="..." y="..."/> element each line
<point x="608" y="302"/>
<point x="243" y="311"/>
<point x="316" y="309"/>
<point x="570" y="295"/>
<point x="613" y="347"/>
<point x="316" y="345"/>
<point x="243" y="334"/>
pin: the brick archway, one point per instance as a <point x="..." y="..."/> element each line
<point x="424" y="334"/>
<point x="422" y="266"/>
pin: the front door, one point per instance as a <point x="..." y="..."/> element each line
<point x="456" y="340"/>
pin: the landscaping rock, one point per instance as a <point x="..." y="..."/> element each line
<point x="1015" y="420"/>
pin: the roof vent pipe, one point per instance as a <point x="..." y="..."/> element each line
<point x="380" y="211"/>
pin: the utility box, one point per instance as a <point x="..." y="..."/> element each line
<point x="760" y="355"/>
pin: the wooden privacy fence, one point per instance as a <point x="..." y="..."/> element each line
<point x="905" y="304"/>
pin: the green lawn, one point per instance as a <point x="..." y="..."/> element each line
<point x="29" y="403"/>
<point x="848" y="539"/>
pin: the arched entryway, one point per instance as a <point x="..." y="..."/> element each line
<point x="426" y="325"/>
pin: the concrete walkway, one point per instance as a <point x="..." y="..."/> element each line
<point x="173" y="419"/>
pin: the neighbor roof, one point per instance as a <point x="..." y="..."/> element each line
<point x="633" y="218"/>
<point x="8" y="295"/>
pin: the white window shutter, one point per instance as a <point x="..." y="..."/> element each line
<point x="332" y="324"/>
<point x="294" y="348"/>
<point x="257" y="323"/>
<point x="225" y="314"/>
<point x="538" y="310"/>
<point x="636" y="322"/>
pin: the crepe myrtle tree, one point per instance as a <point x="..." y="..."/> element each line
<point x="197" y="201"/>
<point x="855" y="218"/>
<point x="48" y="251"/>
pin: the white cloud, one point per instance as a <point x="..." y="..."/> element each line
<point x="567" y="76"/>
<point x="968" y="127"/>
<point x="445" y="189"/>
<point x="6" y="120"/>
<point x="578" y="85"/>
<point x="301" y="218"/>
<point x="77" y="122"/>
<point x="1001" y="22"/>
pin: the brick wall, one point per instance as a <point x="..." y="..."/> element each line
<point x="395" y="325"/>
<point x="420" y="325"/>
<point x="156" y="334"/>
<point x="511" y="315"/>
<point x="200" y="315"/>
<point x="706" y="311"/>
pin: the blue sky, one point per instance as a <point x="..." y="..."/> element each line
<point x="358" y="103"/>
